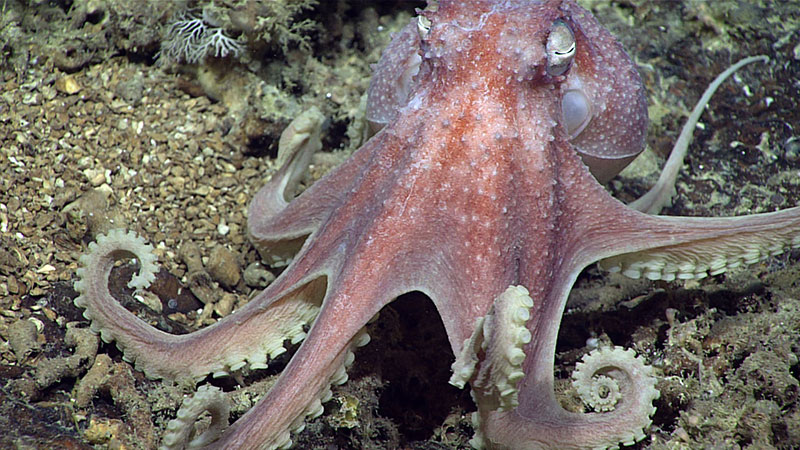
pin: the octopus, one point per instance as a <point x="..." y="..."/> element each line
<point x="495" y="124"/>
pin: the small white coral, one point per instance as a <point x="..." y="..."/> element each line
<point x="190" y="39"/>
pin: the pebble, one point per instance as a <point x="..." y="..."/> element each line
<point x="150" y="300"/>
<point x="22" y="337"/>
<point x="198" y="280"/>
<point x="91" y="213"/>
<point x="201" y="285"/>
<point x="190" y="254"/>
<point x="225" y="305"/>
<point x="791" y="150"/>
<point x="67" y="85"/>
<point x="257" y="276"/>
<point x="224" y="267"/>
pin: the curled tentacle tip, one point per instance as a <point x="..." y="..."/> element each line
<point x="609" y="380"/>
<point x="180" y="431"/>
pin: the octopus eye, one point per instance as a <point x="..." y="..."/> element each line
<point x="560" y="48"/>
<point x="423" y="27"/>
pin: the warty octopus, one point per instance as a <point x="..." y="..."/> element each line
<point x="497" y="119"/>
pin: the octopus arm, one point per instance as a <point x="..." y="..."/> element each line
<point x="529" y="416"/>
<point x="250" y="335"/>
<point x="524" y="413"/>
<point x="517" y="407"/>
<point x="278" y="225"/>
<point x="180" y="431"/>
<point x="695" y="247"/>
<point x="669" y="248"/>
<point x="637" y="245"/>
<point x="541" y="423"/>
<point x="552" y="427"/>
<point x="660" y="195"/>
<point x="320" y="361"/>
<point x="500" y="335"/>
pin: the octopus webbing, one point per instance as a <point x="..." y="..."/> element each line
<point x="496" y="122"/>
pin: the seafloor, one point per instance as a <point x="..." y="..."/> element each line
<point x="97" y="132"/>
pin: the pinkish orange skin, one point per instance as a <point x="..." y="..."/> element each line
<point x="472" y="185"/>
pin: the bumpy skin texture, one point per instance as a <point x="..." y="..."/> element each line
<point x="473" y="185"/>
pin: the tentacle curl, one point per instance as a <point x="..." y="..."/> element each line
<point x="251" y="335"/>
<point x="605" y="374"/>
<point x="612" y="381"/>
<point x="180" y="431"/>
